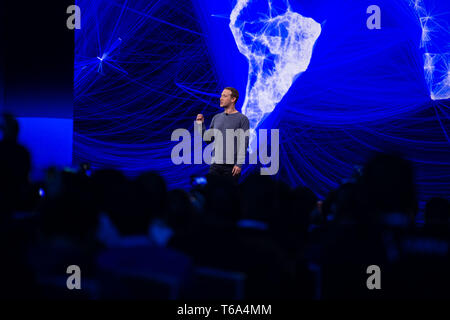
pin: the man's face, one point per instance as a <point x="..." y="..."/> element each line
<point x="226" y="99"/>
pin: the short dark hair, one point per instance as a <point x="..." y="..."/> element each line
<point x="234" y="93"/>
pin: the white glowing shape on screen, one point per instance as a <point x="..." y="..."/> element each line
<point x="278" y="49"/>
<point x="435" y="41"/>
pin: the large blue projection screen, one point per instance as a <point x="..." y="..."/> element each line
<point x="336" y="89"/>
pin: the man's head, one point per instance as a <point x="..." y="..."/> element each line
<point x="229" y="97"/>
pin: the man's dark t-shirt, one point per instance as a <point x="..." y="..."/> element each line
<point x="223" y="121"/>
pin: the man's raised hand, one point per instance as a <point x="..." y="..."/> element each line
<point x="200" y="118"/>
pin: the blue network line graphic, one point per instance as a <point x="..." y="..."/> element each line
<point x="146" y="68"/>
<point x="435" y="41"/>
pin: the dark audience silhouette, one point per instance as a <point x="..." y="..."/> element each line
<point x="133" y="238"/>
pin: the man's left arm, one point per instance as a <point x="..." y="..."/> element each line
<point x="245" y="125"/>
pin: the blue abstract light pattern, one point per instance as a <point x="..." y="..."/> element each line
<point x="141" y="71"/>
<point x="146" y="68"/>
<point x="435" y="42"/>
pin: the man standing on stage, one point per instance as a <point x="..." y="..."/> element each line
<point x="229" y="119"/>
